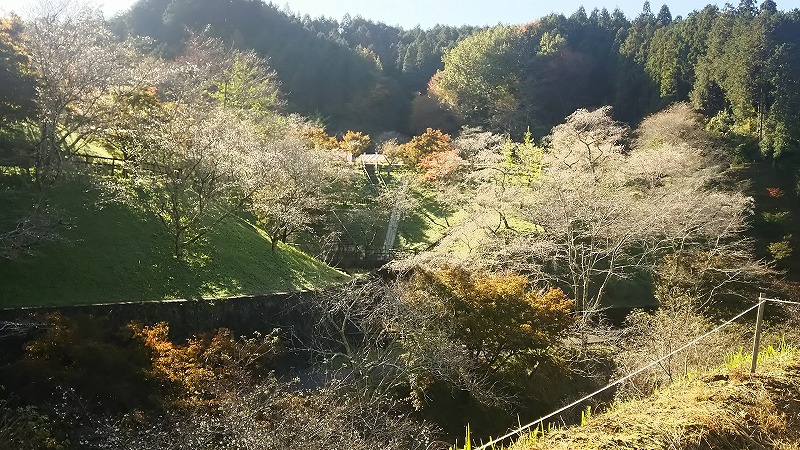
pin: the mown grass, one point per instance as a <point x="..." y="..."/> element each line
<point x="426" y="223"/>
<point x="110" y="252"/>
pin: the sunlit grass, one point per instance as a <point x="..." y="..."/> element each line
<point x="111" y="252"/>
<point x="722" y="408"/>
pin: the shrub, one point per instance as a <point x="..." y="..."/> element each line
<point x="194" y="367"/>
<point x="498" y="317"/>
<point x="650" y="336"/>
<point x="775" y="192"/>
<point x="96" y="361"/>
<point x="781" y="249"/>
<point x="777" y="218"/>
<point x="25" y="428"/>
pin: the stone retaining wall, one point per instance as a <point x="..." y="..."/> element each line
<point x="243" y="314"/>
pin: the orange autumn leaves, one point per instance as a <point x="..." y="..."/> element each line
<point x="498" y="316"/>
<point x="431" y="153"/>
<point x="194" y="367"/>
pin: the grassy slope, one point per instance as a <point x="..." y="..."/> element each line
<point x="725" y="409"/>
<point x="420" y="227"/>
<point x="427" y="223"/>
<point x="113" y="253"/>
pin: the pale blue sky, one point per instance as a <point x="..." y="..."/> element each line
<point x="408" y="13"/>
<point x="427" y="13"/>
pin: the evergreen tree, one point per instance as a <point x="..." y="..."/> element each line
<point x="768" y="7"/>
<point x="646" y="11"/>
<point x="747" y="8"/>
<point x="664" y="16"/>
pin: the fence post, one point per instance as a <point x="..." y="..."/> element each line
<point x="757" y="337"/>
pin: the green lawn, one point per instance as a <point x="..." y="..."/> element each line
<point x="114" y="253"/>
<point x="95" y="149"/>
<point x="427" y="223"/>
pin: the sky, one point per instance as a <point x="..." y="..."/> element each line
<point x="426" y="13"/>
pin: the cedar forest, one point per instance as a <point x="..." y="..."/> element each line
<point x="480" y="223"/>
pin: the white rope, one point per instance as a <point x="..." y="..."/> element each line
<point x="781" y="301"/>
<point x="625" y="378"/>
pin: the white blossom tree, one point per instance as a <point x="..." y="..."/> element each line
<point x="194" y="167"/>
<point x="587" y="139"/>
<point x="203" y="139"/>
<point x="79" y="65"/>
<point x="598" y="214"/>
<point x="610" y="218"/>
<point x="298" y="187"/>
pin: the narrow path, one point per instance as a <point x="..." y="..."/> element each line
<point x="371" y="172"/>
<point x="394" y="219"/>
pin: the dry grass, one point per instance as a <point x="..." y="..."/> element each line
<point x="725" y="409"/>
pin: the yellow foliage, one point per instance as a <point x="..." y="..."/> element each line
<point x="430" y="142"/>
<point x="183" y="366"/>
<point x="498" y="316"/>
<point x="320" y="140"/>
<point x="10" y="29"/>
<point x="355" y="142"/>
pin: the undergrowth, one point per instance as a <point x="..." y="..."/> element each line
<point x="726" y="408"/>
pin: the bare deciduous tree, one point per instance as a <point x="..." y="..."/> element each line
<point x="210" y="72"/>
<point x="223" y="399"/>
<point x="478" y="147"/>
<point x="204" y="138"/>
<point x="678" y="125"/>
<point x="645" y="207"/>
<point x="651" y="336"/>
<point x="376" y="340"/>
<point x="598" y="215"/>
<point x="195" y="168"/>
<point x="586" y="139"/>
<point x="78" y="64"/>
<point x="299" y="187"/>
<point x="78" y="67"/>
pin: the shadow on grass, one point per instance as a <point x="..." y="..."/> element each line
<point x="242" y="261"/>
<point x="113" y="253"/>
<point x="425" y="224"/>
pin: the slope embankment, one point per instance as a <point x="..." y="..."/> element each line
<point x="729" y="408"/>
<point x="108" y="251"/>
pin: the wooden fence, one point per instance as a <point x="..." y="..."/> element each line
<point x="355" y="256"/>
<point x="106" y="164"/>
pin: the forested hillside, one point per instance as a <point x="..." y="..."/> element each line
<point x="353" y="74"/>
<point x="734" y="64"/>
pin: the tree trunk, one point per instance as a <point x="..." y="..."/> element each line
<point x="178" y="245"/>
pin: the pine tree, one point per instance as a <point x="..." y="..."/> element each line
<point x="664" y="16"/>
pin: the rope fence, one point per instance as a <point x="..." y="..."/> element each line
<point x="760" y="305"/>
<point x="787" y="302"/>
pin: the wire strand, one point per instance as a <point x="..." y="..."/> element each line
<point x="621" y="380"/>
<point x="781" y="301"/>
